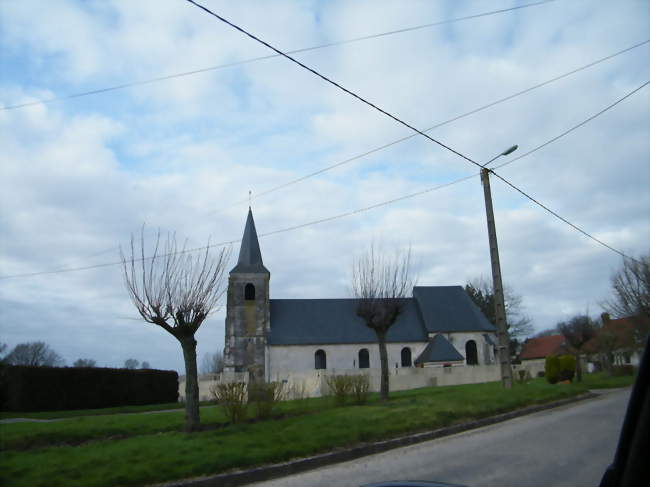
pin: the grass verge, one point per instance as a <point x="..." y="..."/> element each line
<point x="155" y="451"/>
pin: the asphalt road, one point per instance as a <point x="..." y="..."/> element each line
<point x="568" y="446"/>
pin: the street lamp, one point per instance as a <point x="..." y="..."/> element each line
<point x="497" y="285"/>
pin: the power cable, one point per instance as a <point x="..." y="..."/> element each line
<point x="440" y="124"/>
<point x="390" y="115"/>
<point x="385" y="203"/>
<point x="261" y="58"/>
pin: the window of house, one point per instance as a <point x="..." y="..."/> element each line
<point x="471" y="355"/>
<point x="406" y="357"/>
<point x="249" y="292"/>
<point x="320" y="359"/>
<point x="364" y="359"/>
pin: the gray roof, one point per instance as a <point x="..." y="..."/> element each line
<point x="334" y="321"/>
<point x="449" y="309"/>
<point x="250" y="256"/>
<point x="439" y="350"/>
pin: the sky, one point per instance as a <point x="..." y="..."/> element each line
<point x="80" y="175"/>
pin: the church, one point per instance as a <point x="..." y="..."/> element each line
<point x="281" y="339"/>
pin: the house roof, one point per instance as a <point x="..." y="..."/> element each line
<point x="250" y="256"/>
<point x="334" y="321"/>
<point x="542" y="347"/>
<point x="449" y="308"/>
<point x="439" y="350"/>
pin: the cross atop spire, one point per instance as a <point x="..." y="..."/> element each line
<point x="250" y="256"/>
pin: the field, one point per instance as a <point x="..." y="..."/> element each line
<point x="107" y="449"/>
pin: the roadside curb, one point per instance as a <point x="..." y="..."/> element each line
<point x="268" y="472"/>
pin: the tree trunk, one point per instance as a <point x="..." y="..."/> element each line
<point x="578" y="368"/>
<point x="383" y="360"/>
<point x="192" y="417"/>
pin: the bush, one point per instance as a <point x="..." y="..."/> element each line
<point x="265" y="396"/>
<point x="28" y="388"/>
<point x="621" y="370"/>
<point x="340" y="387"/>
<point x="540" y="373"/>
<point x="232" y="397"/>
<point x="360" y="386"/>
<point x="567" y="367"/>
<point x="552" y="369"/>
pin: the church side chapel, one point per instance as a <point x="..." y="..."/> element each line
<point x="284" y="339"/>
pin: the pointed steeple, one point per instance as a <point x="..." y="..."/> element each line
<point x="250" y="256"/>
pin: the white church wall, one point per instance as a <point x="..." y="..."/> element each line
<point x="283" y="359"/>
<point x="313" y="383"/>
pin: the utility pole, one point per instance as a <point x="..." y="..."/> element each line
<point x="497" y="285"/>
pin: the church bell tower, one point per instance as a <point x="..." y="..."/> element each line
<point x="247" y="309"/>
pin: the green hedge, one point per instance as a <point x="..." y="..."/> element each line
<point x="24" y="388"/>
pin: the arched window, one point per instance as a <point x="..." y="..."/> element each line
<point x="249" y="292"/>
<point x="320" y="360"/>
<point x="406" y="357"/>
<point x="471" y="355"/>
<point x="364" y="358"/>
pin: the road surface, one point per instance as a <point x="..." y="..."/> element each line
<point x="568" y="446"/>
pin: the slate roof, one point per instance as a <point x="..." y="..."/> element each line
<point x="439" y="350"/>
<point x="334" y="321"/>
<point x="250" y="256"/>
<point x="542" y="347"/>
<point x="448" y="309"/>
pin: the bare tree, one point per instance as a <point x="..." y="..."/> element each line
<point x="176" y="290"/>
<point x="481" y="292"/>
<point x="145" y="365"/>
<point x="212" y="363"/>
<point x="34" y="353"/>
<point x="84" y="362"/>
<point x="631" y="287"/>
<point x="131" y="363"/>
<point x="381" y="285"/>
<point x="578" y="331"/>
<point x="631" y="296"/>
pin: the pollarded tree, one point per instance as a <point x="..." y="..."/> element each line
<point x="381" y="285"/>
<point x="34" y="353"/>
<point x="176" y="289"/>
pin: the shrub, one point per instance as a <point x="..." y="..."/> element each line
<point x="621" y="370"/>
<point x="540" y="373"/>
<point x="265" y="396"/>
<point x="340" y="387"/>
<point x="552" y="369"/>
<point x="567" y="367"/>
<point x="360" y="386"/>
<point x="524" y="375"/>
<point x="232" y="397"/>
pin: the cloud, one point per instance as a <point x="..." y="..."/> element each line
<point x="80" y="176"/>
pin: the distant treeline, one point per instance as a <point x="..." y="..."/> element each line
<point x="27" y="388"/>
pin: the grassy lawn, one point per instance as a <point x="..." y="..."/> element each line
<point x="143" y="449"/>
<point x="94" y="412"/>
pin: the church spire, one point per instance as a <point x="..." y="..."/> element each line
<point x="250" y="256"/>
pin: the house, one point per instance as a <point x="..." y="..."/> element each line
<point x="535" y="350"/>
<point x="291" y="340"/>
<point x="618" y="341"/>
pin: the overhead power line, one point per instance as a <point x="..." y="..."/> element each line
<point x="261" y="58"/>
<point x="389" y="202"/>
<point x="390" y="115"/>
<point x="440" y="124"/>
